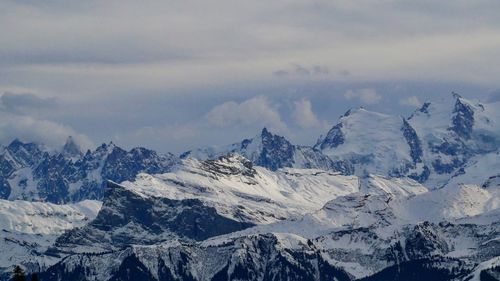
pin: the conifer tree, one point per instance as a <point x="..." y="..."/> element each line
<point x="18" y="274"/>
<point x="34" y="277"/>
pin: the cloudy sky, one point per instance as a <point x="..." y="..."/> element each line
<point x="174" y="75"/>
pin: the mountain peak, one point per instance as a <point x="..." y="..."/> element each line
<point x="425" y="107"/>
<point x="456" y="95"/>
<point x="29" y="147"/>
<point x="347" y="113"/>
<point x="231" y="164"/>
<point x="15" y="144"/>
<point x="107" y="146"/>
<point x="266" y="135"/>
<point x="265" y="132"/>
<point x="463" y="118"/>
<point x="71" y="148"/>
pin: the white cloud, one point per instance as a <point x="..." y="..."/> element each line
<point x="304" y="116"/>
<point x="29" y="129"/>
<point x="21" y="117"/>
<point x="366" y="95"/>
<point x="411" y="101"/>
<point x="257" y="111"/>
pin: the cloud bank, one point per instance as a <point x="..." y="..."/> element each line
<point x="255" y="111"/>
<point x="18" y="120"/>
<point x="146" y="73"/>
<point x="366" y="96"/>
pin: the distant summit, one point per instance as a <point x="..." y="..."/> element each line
<point x="71" y="148"/>
<point x="273" y="152"/>
<point x="29" y="172"/>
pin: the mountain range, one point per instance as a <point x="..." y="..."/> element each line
<point x="378" y="197"/>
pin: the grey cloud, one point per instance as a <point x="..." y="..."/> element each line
<point x="21" y="117"/>
<point x="121" y="54"/>
<point x="301" y="70"/>
<point x="344" y="72"/>
<point x="30" y="129"/>
<point x="135" y="67"/>
<point x="320" y="69"/>
<point x="281" y="73"/>
<point x="163" y="44"/>
<point x="19" y="102"/>
<point x="494" y="96"/>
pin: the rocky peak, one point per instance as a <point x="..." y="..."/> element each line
<point x="25" y="154"/>
<point x="413" y="141"/>
<point x="347" y="113"/>
<point x="333" y="138"/>
<point x="15" y="145"/>
<point x="463" y="118"/>
<point x="70" y="175"/>
<point x="276" y="151"/>
<point x="233" y="164"/>
<point x="425" y="107"/>
<point x="71" y="148"/>
<point x="265" y="133"/>
<point x="105" y="149"/>
<point x="271" y="141"/>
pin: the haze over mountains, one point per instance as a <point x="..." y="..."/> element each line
<point x="377" y="197"/>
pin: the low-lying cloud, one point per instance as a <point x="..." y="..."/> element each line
<point x="257" y="111"/>
<point x="29" y="129"/>
<point x="365" y="96"/>
<point x="20" y="118"/>
<point x="304" y="116"/>
<point x="412" y="101"/>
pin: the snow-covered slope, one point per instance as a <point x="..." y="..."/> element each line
<point x="201" y="199"/>
<point x="28" y="229"/>
<point x="370" y="225"/>
<point x="389" y="223"/>
<point x="378" y="233"/>
<point x="240" y="190"/>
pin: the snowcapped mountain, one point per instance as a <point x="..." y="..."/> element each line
<point x="187" y="225"/>
<point x="379" y="197"/>
<point x="203" y="199"/>
<point x="30" y="228"/>
<point x="30" y="172"/>
<point x="273" y="152"/>
<point x="454" y="133"/>
<point x="372" y="142"/>
<point x="433" y="145"/>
